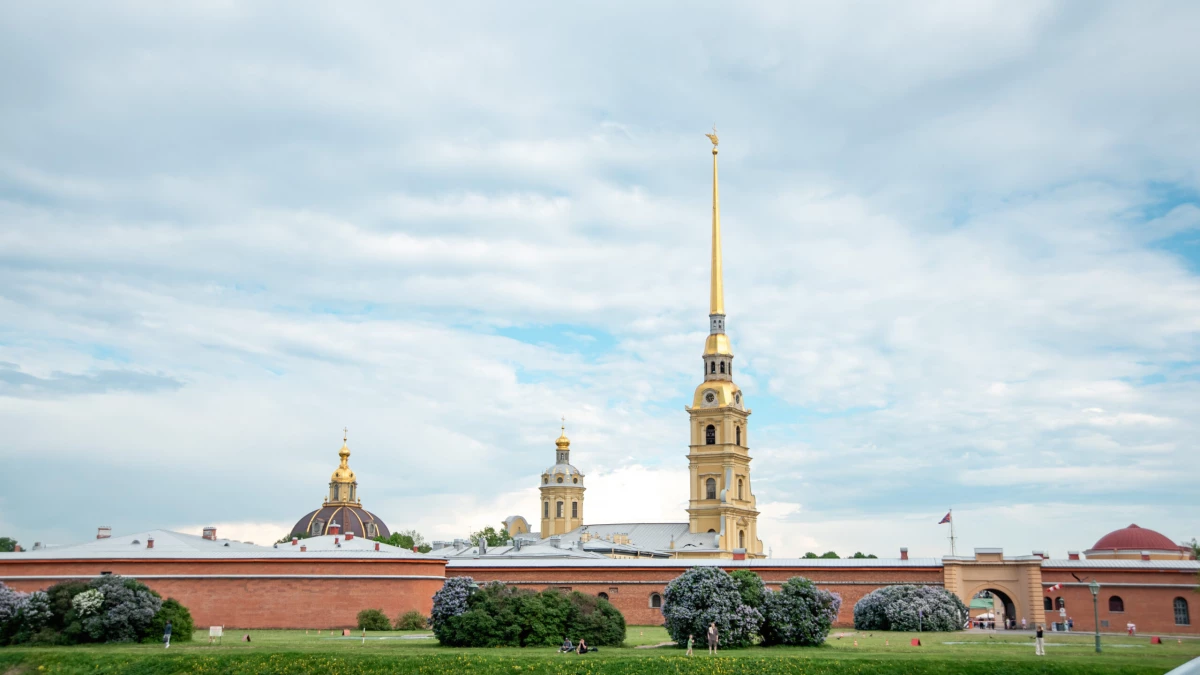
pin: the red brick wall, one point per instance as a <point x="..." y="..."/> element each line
<point x="298" y="602"/>
<point x="629" y="589"/>
<point x="1148" y="596"/>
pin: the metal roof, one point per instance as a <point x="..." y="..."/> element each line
<point x="762" y="563"/>
<point x="168" y="544"/>
<point x="1189" y="565"/>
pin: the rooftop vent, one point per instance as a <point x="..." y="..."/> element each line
<point x="149" y="542"/>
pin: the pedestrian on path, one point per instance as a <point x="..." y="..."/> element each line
<point x="1040" y="649"/>
<point x="167" y="635"/>
<point x="712" y="638"/>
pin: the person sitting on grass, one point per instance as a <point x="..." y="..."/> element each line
<point x="566" y="646"/>
<point x="583" y="648"/>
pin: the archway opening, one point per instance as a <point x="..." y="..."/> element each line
<point x="1001" y="614"/>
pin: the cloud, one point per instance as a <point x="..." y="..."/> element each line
<point x="957" y="267"/>
<point x="18" y="384"/>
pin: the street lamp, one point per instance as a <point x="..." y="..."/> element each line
<point x="1094" y="587"/>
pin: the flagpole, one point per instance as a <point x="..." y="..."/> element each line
<point x="952" y="551"/>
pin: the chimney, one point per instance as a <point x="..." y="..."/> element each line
<point x="303" y="548"/>
<point x="334" y="528"/>
<point x="295" y="540"/>
<point x="518" y="543"/>
<point x="739" y="554"/>
<point x="482" y="546"/>
<point x="904" y="553"/>
<point x="335" y="541"/>
<point x="416" y="549"/>
<point x="149" y="542"/>
<point x="460" y="544"/>
<point x="37" y="545"/>
<point x="1145" y="555"/>
<point x="376" y="546"/>
<point x="103" y="532"/>
<point x="556" y="541"/>
<point x="1041" y="554"/>
<point x="1072" y="555"/>
<point x="349" y="536"/>
<point x="210" y="533"/>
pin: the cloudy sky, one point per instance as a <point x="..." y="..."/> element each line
<point x="962" y="247"/>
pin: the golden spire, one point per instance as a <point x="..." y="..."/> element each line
<point x="717" y="296"/>
<point x="343" y="474"/>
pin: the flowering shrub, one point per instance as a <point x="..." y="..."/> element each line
<point x="498" y="615"/>
<point x="704" y="595"/>
<point x="88" y="603"/>
<point x="907" y="607"/>
<point x="126" y="613"/>
<point x="450" y="601"/>
<point x="798" y="614"/>
<point x="11" y="604"/>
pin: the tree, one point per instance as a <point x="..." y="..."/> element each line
<point x="411" y="620"/>
<point x="7" y="545"/>
<point x="907" y="607"/>
<point x="829" y="554"/>
<point x="496" y="615"/>
<point x="704" y="595"/>
<point x="811" y="555"/>
<point x="750" y="586"/>
<point x="858" y="554"/>
<point x="490" y="535"/>
<point x="182" y="626"/>
<point x="288" y="539"/>
<point x="799" y="614"/>
<point x="1194" y="546"/>
<point x="406" y="540"/>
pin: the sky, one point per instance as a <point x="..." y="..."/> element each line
<point x="961" y="243"/>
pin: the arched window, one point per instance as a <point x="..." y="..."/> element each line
<point x="722" y="367"/>
<point x="740" y="488"/>
<point x="741" y="539"/>
<point x="710" y="435"/>
<point x="1116" y="604"/>
<point x="546" y="510"/>
<point x="318" y="528"/>
<point x="560" y="479"/>
<point x="602" y="595"/>
<point x="655" y="601"/>
<point x="1182" y="618"/>
<point x="1059" y="604"/>
<point x="712" y="531"/>
<point x="1048" y="604"/>
<point x="712" y="367"/>
<point x="710" y="488"/>
<point x="558" y="509"/>
<point x="739" y="435"/>
<point x="574" y="509"/>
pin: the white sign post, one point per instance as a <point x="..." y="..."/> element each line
<point x="215" y="633"/>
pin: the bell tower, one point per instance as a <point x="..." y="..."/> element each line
<point x="721" y="503"/>
<point x="561" y="491"/>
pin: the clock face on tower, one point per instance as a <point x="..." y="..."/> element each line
<point x="710" y="398"/>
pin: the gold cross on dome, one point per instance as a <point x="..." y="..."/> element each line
<point x="345" y="434"/>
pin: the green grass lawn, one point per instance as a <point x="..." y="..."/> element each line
<point x="407" y="652"/>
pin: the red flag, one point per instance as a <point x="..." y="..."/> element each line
<point x="945" y="520"/>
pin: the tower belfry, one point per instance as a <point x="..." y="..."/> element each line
<point x="721" y="503"/>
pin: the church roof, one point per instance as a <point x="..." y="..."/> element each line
<point x="1134" y="538"/>
<point x="349" y="518"/>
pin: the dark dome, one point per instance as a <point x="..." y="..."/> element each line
<point x="349" y="518"/>
<point x="1134" y="538"/>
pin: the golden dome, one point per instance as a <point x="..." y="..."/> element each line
<point x="343" y="474"/>
<point x="563" y="442"/>
<point x="724" y="393"/>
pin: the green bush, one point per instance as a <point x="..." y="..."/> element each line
<point x="411" y="620"/>
<point x="182" y="626"/>
<point x="373" y="619"/>
<point x="750" y="586"/>
<point x="505" y="616"/>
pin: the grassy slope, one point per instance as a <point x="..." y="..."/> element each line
<point x="295" y="652"/>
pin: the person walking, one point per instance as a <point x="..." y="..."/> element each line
<point x="713" y="637"/>
<point x="1040" y="643"/>
<point x="1024" y="626"/>
<point x="691" y="641"/>
<point x="167" y="635"/>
